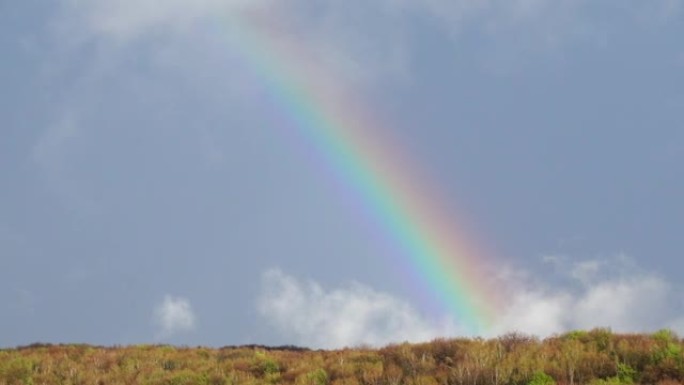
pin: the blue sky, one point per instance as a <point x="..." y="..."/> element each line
<point x="150" y="194"/>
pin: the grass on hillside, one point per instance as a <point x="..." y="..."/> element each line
<point x="596" y="357"/>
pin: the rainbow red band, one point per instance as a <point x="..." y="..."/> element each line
<point x="380" y="178"/>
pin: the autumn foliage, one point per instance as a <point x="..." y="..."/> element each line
<point x="597" y="357"/>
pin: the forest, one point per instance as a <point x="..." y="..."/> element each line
<point x="596" y="357"/>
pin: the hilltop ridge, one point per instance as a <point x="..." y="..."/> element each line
<point x="596" y="357"/>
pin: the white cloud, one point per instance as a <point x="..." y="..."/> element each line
<point x="631" y="304"/>
<point x="348" y="316"/>
<point x="615" y="294"/>
<point x="596" y="293"/>
<point x="174" y="315"/>
<point x="536" y="312"/>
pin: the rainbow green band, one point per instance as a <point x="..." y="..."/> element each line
<point x="379" y="178"/>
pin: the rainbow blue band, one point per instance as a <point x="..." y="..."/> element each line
<point x="381" y="179"/>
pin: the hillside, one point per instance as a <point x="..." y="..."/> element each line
<point x="597" y="357"/>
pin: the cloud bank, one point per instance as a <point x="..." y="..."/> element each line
<point x="349" y="316"/>
<point x="599" y="293"/>
<point x="371" y="39"/>
<point x="585" y="295"/>
<point x="172" y="316"/>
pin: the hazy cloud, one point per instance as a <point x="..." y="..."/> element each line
<point x="129" y="19"/>
<point x="538" y="311"/>
<point x="348" y="316"/>
<point x="357" y="314"/>
<point x="174" y="315"/>
<point x="586" y="271"/>
<point x="594" y="293"/>
<point x="369" y="39"/>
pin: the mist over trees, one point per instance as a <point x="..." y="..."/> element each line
<point x="596" y="357"/>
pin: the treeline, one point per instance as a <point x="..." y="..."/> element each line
<point x="597" y="357"/>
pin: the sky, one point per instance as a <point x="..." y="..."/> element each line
<point x="158" y="187"/>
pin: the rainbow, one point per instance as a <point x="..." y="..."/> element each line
<point x="372" y="169"/>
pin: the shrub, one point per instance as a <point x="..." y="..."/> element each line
<point x="541" y="378"/>
<point x="625" y="373"/>
<point x="18" y="370"/>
